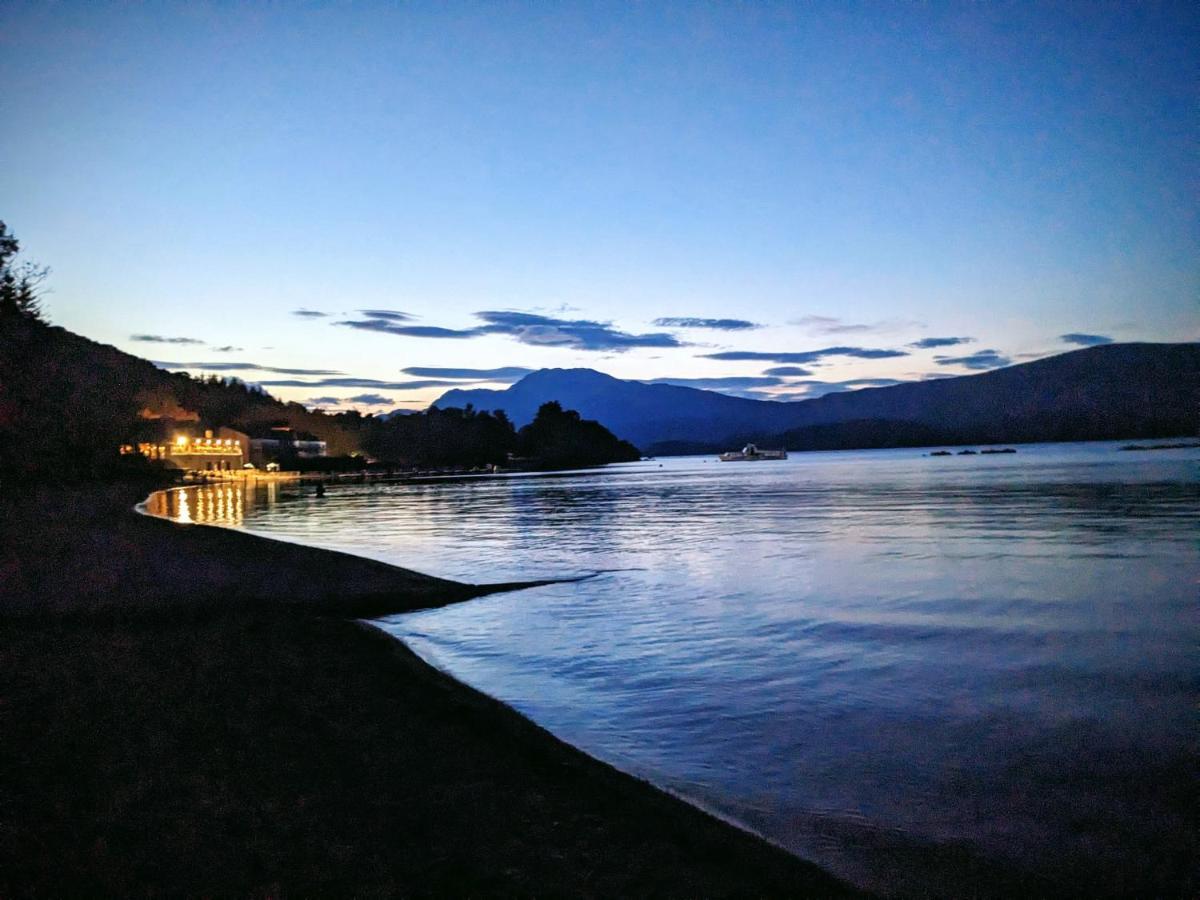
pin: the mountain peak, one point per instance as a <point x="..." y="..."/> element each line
<point x="579" y="376"/>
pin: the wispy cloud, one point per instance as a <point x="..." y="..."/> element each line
<point x="370" y="400"/>
<point x="503" y="374"/>
<point x="159" y="339"/>
<point x="732" y="383"/>
<point x="1085" y="340"/>
<point x="309" y="313"/>
<point x="212" y="366"/>
<point x="359" y="399"/>
<point x="528" y="328"/>
<point x="788" y="371"/>
<point x="870" y="382"/>
<point x="930" y="343"/>
<point x="228" y="348"/>
<point x="577" y="334"/>
<point x="390" y="315"/>
<point x="351" y="382"/>
<point x="806" y="356"/>
<point x="980" y="360"/>
<point x="811" y="389"/>
<point x="832" y="325"/>
<point x="384" y="326"/>
<point x="717" y="324"/>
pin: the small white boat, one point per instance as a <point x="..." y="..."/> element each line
<point x="750" y="452"/>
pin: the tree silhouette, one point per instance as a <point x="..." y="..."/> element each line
<point x="19" y="282"/>
<point x="560" y="438"/>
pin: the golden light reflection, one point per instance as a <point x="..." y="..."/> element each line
<point x="213" y="504"/>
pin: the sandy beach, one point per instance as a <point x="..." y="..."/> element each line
<point x="192" y="710"/>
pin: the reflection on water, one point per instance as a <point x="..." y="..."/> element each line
<point x="892" y="664"/>
<point x="219" y="503"/>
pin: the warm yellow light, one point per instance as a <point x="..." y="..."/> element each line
<point x="181" y="440"/>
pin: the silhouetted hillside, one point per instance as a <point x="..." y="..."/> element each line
<point x="67" y="403"/>
<point x="1113" y="391"/>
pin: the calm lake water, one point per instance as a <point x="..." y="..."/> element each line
<point x="918" y="672"/>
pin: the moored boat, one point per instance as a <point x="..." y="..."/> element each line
<point x="751" y="452"/>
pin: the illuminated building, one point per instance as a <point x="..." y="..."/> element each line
<point x="227" y="450"/>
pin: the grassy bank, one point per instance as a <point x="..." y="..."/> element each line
<point x="189" y="710"/>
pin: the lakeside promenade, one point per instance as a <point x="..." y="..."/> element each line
<point x="193" y="710"/>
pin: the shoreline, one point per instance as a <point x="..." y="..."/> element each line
<point x="170" y="688"/>
<point x="502" y="587"/>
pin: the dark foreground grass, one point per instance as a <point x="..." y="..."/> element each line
<point x="261" y="747"/>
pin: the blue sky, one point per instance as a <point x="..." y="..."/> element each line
<point x="659" y="191"/>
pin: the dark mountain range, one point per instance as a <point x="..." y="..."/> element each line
<point x="1112" y="391"/>
<point x="640" y="413"/>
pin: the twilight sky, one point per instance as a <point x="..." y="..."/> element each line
<point x="376" y="201"/>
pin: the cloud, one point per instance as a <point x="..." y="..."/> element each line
<point x="807" y="356"/>
<point x="733" y="383"/>
<point x="385" y="326"/>
<point x="983" y="359"/>
<point x="789" y="393"/>
<point x="528" y="328"/>
<point x="159" y="339"/>
<point x="811" y="389"/>
<point x="228" y="348"/>
<point x="930" y="343"/>
<point x="577" y="334"/>
<point x="1041" y="354"/>
<point x="391" y="315"/>
<point x="361" y="399"/>
<point x="241" y="367"/>
<point x="309" y="313"/>
<point x="352" y="382"/>
<point x="831" y="325"/>
<point x="370" y="400"/>
<point x="506" y="374"/>
<point x="850" y="383"/>
<point x="1085" y="340"/>
<point x="788" y="370"/>
<point x="869" y="382"/>
<point x="718" y="324"/>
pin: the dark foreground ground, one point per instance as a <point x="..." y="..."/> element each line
<point x="194" y="711"/>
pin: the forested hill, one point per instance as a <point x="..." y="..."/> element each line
<point x="67" y="402"/>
